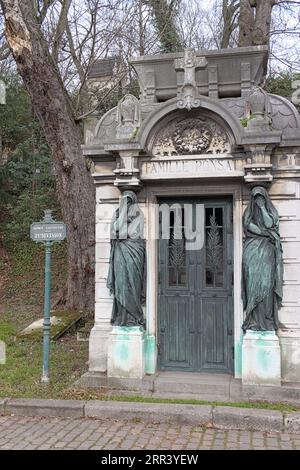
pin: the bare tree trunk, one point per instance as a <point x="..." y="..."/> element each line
<point x="52" y="107"/>
<point x="229" y="9"/>
<point x="255" y="22"/>
<point x="60" y="29"/>
<point x="262" y="24"/>
<point x="246" y="23"/>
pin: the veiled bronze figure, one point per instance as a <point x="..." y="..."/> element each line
<point x="127" y="268"/>
<point x="262" y="263"/>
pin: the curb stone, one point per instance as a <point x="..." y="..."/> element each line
<point x="249" y="419"/>
<point x="219" y="417"/>
<point x="53" y="408"/>
<point x="151" y="412"/>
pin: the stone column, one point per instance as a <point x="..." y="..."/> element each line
<point x="152" y="236"/>
<point x="107" y="200"/>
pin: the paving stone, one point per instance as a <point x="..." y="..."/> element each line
<point x="19" y="436"/>
<point x="292" y="422"/>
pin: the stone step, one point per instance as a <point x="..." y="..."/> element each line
<point x="193" y="384"/>
<point x="189" y="386"/>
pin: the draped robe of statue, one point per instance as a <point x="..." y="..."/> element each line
<point x="127" y="265"/>
<point x="262" y="264"/>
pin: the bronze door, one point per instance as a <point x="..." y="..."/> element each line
<point x="195" y="304"/>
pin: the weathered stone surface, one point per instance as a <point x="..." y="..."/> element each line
<point x="235" y="391"/>
<point x="288" y="393"/>
<point x="191" y="135"/>
<point x="168" y="74"/>
<point x="290" y="346"/>
<point x="219" y="417"/>
<point x="158" y="413"/>
<point x="227" y="417"/>
<point x="292" y="423"/>
<point x="128" y="117"/>
<point x="261" y="358"/>
<point x="2" y="405"/>
<point x="37" y="407"/>
<point x="92" y="380"/>
<point x="126" y="353"/>
<point x="201" y="385"/>
<point x="110" y="384"/>
<point x="98" y="344"/>
<point x="60" y="323"/>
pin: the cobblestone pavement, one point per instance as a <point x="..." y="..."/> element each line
<point x="58" y="433"/>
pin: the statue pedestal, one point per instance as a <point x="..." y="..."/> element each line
<point x="126" y="352"/>
<point x="261" y="361"/>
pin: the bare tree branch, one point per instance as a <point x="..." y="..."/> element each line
<point x="60" y="29"/>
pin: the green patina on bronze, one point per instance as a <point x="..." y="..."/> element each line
<point x="262" y="263"/>
<point x="150" y="354"/>
<point x="127" y="265"/>
<point x="238" y="358"/>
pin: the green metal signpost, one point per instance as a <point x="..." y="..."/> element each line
<point x="47" y="231"/>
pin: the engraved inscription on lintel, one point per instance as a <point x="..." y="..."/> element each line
<point x="191" y="136"/>
<point x="186" y="167"/>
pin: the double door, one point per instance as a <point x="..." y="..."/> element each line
<point x="195" y="304"/>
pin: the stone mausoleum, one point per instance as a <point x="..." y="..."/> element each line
<point x="203" y="145"/>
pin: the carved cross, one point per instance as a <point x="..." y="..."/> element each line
<point x="188" y="96"/>
<point x="190" y="63"/>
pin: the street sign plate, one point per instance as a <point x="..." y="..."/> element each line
<point x="48" y="232"/>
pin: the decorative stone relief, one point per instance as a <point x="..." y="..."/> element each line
<point x="149" y="88"/>
<point x="259" y="166"/>
<point x="283" y="115"/>
<point x="192" y="136"/>
<point x="106" y="127"/>
<point x="188" y="95"/>
<point x="127" y="171"/>
<point x="260" y="108"/>
<point x="128" y="117"/>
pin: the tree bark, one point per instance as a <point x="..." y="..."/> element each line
<point x="163" y="13"/>
<point x="262" y="24"/>
<point x="246" y="23"/>
<point x="229" y="9"/>
<point x="52" y="107"/>
<point x="255" y="22"/>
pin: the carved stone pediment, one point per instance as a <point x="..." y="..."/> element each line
<point x="191" y="136"/>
